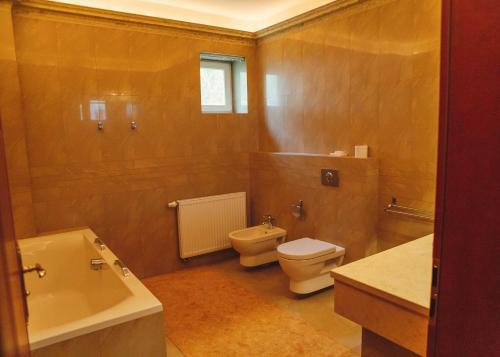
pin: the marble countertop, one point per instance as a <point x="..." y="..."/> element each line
<point x="401" y="275"/>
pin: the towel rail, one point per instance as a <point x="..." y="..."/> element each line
<point x="411" y="212"/>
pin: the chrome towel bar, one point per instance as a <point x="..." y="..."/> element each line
<point x="419" y="214"/>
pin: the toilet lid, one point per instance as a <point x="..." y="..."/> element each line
<point x="305" y="248"/>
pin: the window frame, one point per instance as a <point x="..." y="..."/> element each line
<point x="228" y="90"/>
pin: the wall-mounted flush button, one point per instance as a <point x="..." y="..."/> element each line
<point x="330" y="177"/>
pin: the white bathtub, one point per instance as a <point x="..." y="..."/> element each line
<point x="72" y="300"/>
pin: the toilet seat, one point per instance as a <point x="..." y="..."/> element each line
<point x="305" y="248"/>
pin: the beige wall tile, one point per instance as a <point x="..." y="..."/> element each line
<point x="118" y="181"/>
<point x="370" y="76"/>
<point x="344" y="215"/>
<point x="366" y="75"/>
<point x="13" y="127"/>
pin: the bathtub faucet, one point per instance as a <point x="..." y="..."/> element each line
<point x="97" y="263"/>
<point x="267" y="220"/>
<point x="37" y="267"/>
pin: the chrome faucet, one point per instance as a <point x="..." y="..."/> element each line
<point x="97" y="263"/>
<point x="100" y="243"/>
<point x="37" y="267"/>
<point x="267" y="220"/>
<point x="123" y="268"/>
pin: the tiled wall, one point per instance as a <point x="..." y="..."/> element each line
<point x="364" y="75"/>
<point x="344" y="215"/>
<point x="14" y="128"/>
<point x="118" y="181"/>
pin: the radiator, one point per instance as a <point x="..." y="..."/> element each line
<point x="204" y="223"/>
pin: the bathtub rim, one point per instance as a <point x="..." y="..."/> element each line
<point x="141" y="303"/>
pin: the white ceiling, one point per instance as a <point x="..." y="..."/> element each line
<point x="246" y="15"/>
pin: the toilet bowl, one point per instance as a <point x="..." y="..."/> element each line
<point x="308" y="262"/>
<point x="257" y="245"/>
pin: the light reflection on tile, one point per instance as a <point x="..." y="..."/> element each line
<point x="348" y="78"/>
<point x="366" y="75"/>
<point x="117" y="180"/>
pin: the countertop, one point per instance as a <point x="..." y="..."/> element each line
<point x="401" y="275"/>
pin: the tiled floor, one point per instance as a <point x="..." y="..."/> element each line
<point x="271" y="283"/>
<point x="172" y="350"/>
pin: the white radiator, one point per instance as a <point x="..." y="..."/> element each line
<point x="204" y="223"/>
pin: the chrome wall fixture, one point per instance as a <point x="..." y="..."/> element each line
<point x="298" y="209"/>
<point x="100" y="125"/>
<point x="410" y="212"/>
<point x="330" y="177"/>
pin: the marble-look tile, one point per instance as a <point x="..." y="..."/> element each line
<point x="346" y="215"/>
<point x="373" y="73"/>
<point x="349" y="78"/>
<point x="117" y="180"/>
<point x="44" y="51"/>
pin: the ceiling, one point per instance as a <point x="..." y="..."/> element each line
<point x="245" y="15"/>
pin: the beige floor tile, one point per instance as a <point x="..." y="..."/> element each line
<point x="271" y="284"/>
<point x="172" y="350"/>
<point x="317" y="309"/>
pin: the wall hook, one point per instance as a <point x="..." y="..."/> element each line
<point x="133" y="125"/>
<point x="100" y="125"/>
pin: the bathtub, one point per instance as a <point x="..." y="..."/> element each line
<point x="73" y="303"/>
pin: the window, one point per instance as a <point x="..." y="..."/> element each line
<point x="223" y="84"/>
<point x="216" y="92"/>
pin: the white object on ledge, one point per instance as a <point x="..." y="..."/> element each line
<point x="338" y="153"/>
<point x="173" y="204"/>
<point x="361" y="151"/>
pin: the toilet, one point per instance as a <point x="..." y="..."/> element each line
<point x="308" y="262"/>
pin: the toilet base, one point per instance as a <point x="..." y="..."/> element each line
<point x="258" y="259"/>
<point x="311" y="285"/>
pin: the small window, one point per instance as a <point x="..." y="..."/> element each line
<point x="216" y="92"/>
<point x="223" y="84"/>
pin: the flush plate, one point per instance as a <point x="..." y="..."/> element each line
<point x="330" y="177"/>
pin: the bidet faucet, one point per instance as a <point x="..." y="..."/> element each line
<point x="267" y="220"/>
<point x="37" y="267"/>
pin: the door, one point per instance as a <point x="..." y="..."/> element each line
<point x="465" y="314"/>
<point x="13" y="334"/>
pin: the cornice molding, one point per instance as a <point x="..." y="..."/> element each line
<point x="126" y="18"/>
<point x="306" y="16"/>
<point x="62" y="8"/>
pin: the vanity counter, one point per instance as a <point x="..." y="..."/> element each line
<point x="389" y="294"/>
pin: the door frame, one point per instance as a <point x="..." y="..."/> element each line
<point x="465" y="293"/>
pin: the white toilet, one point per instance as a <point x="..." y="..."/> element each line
<point x="308" y="262"/>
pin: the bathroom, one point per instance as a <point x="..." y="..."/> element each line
<point x="122" y="144"/>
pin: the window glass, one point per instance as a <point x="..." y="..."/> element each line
<point x="215" y="84"/>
